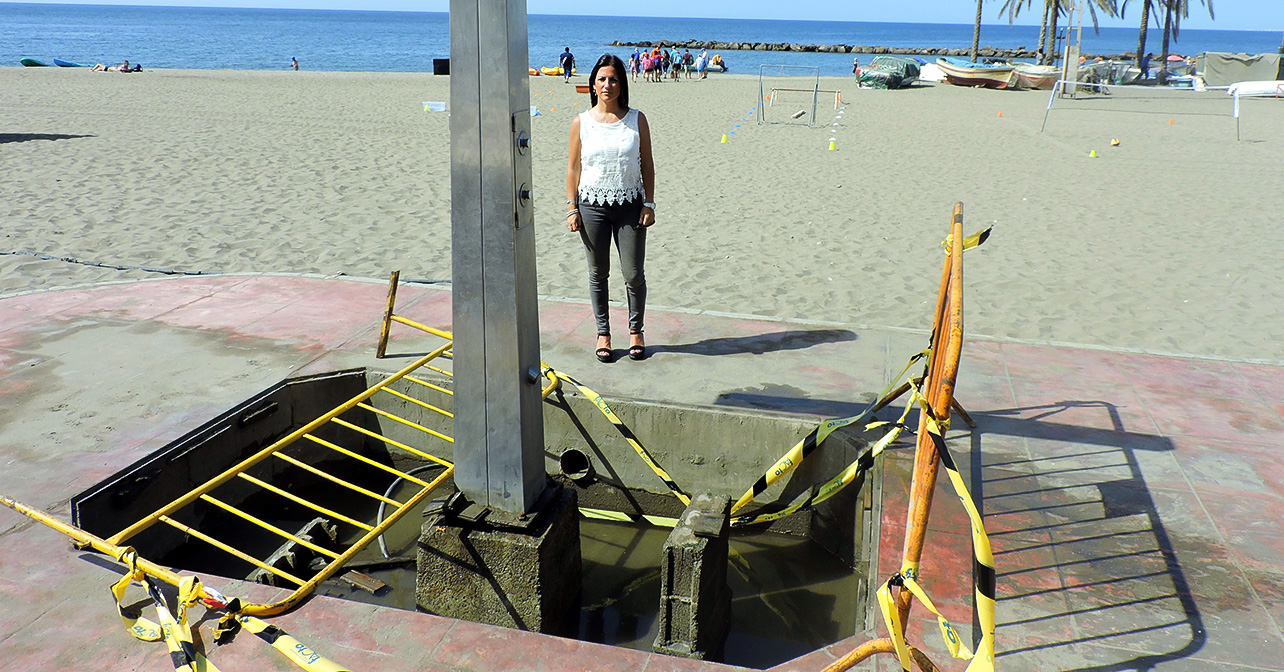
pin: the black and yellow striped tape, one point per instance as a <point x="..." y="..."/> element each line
<point x="173" y="630"/>
<point x="975" y="240"/>
<point x="297" y="652"/>
<point x="799" y="452"/>
<point x="983" y="562"/>
<point x="178" y="634"/>
<point x="141" y="628"/>
<point x="628" y="436"/>
<point x="855" y="472"/>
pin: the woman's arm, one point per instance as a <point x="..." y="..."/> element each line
<point x="573" y="176"/>
<point x="648" y="170"/>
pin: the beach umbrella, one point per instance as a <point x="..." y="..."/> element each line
<point x="1175" y="57"/>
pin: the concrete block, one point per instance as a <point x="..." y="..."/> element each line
<point x="481" y="568"/>
<point x="695" y="602"/>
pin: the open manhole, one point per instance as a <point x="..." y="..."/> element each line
<point x="798" y="584"/>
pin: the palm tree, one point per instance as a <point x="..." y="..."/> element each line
<point x="1147" y="8"/>
<point x="1013" y="9"/>
<point x="1052" y="11"/>
<point x="1044" y="50"/>
<point x="1174" y="12"/>
<point x="976" y="30"/>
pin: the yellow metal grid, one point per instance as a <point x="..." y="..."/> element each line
<point x="305" y="586"/>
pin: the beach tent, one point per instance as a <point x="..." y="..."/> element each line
<point x="1224" y="69"/>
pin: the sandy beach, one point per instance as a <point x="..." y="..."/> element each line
<point x="1162" y="244"/>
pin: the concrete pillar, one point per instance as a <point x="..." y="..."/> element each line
<point x="499" y="427"/>
<point x="488" y="566"/>
<point x="506" y="551"/>
<point x="695" y="602"/>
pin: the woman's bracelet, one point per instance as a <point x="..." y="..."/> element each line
<point x="576" y="211"/>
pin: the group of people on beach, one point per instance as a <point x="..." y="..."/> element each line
<point x="658" y="64"/>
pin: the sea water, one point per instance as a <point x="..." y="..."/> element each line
<point x="266" y="39"/>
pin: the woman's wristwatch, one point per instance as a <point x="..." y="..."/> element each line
<point x="648" y="204"/>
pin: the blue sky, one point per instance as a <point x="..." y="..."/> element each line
<point x="1231" y="14"/>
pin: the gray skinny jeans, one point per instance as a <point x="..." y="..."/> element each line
<point x="602" y="223"/>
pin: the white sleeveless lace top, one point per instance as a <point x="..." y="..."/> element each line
<point x="610" y="160"/>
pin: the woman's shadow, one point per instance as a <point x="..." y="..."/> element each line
<point x="757" y="344"/>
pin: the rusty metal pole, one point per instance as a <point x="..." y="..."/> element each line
<point x="947" y="347"/>
<point x="939" y="390"/>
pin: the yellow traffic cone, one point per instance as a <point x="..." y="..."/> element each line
<point x="831" y="146"/>
<point x="724" y="138"/>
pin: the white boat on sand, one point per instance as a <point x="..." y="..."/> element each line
<point x="962" y="72"/>
<point x="1031" y="76"/>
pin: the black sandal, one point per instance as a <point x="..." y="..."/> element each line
<point x="605" y="355"/>
<point x="637" y="352"/>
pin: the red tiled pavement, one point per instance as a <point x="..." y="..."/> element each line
<point x="1133" y="500"/>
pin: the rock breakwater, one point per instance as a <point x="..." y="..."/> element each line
<point x="715" y="45"/>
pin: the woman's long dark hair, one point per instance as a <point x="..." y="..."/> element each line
<point x="613" y="61"/>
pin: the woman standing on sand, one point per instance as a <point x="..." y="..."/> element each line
<point x="610" y="183"/>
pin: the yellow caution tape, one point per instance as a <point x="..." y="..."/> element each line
<point x="174" y="630"/>
<point x="892" y="618"/>
<point x="297" y="652"/>
<point x="953" y="641"/>
<point x="178" y="635"/>
<point x="135" y="624"/>
<point x="622" y="517"/>
<point x="854" y="471"/>
<point x="977" y="239"/>
<point x="628" y="436"/>
<point x="799" y="452"/>
<point x="983" y="566"/>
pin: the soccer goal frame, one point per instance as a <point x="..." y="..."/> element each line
<point x="799" y="85"/>
<point x="1077" y="90"/>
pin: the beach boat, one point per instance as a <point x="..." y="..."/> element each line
<point x="67" y="64"/>
<point x="1031" y="76"/>
<point x="33" y="63"/>
<point x="558" y="71"/>
<point x="889" y="72"/>
<point x="534" y="72"/>
<point x="962" y="72"/>
<point x="1264" y="88"/>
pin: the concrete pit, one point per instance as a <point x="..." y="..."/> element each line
<point x="768" y="595"/>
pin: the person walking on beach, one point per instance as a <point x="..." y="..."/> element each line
<point x="610" y="184"/>
<point x="567" y="61"/>
<point x="687" y="61"/>
<point x="294" y="63"/>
